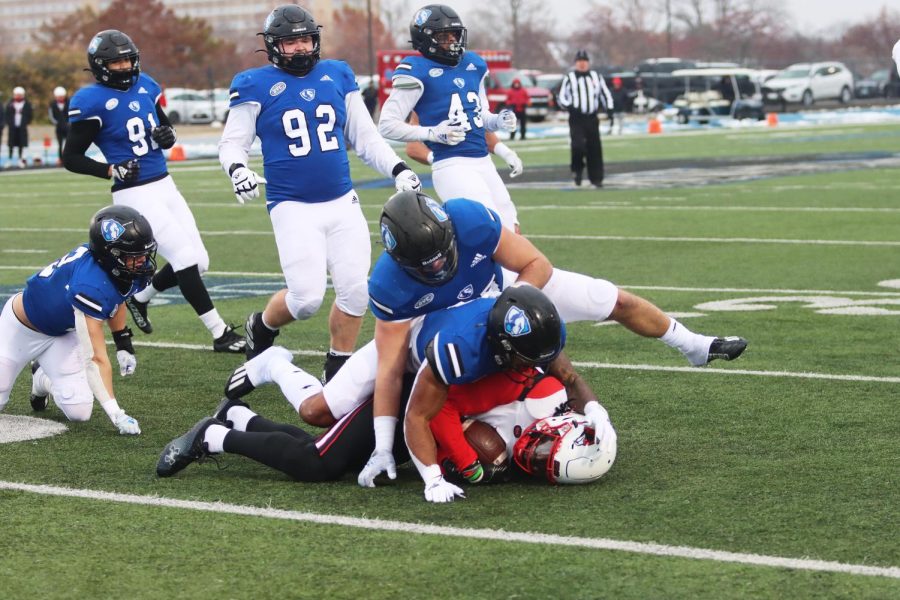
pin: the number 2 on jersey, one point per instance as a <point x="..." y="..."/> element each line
<point x="296" y="128"/>
<point x="457" y="113"/>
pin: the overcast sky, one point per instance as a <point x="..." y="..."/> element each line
<point x="816" y="15"/>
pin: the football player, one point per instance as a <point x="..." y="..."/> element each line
<point x="58" y="319"/>
<point x="305" y="110"/>
<point x="121" y="114"/>
<point x="445" y="87"/>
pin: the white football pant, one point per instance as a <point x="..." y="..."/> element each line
<point x="475" y="179"/>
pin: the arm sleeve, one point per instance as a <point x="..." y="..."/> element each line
<point x="371" y="148"/>
<point x="81" y="136"/>
<point x="399" y="104"/>
<point x="491" y="120"/>
<point x="238" y="135"/>
<point x="161" y="117"/>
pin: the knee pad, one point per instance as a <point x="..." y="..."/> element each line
<point x="581" y="298"/>
<point x="354" y="299"/>
<point x="77" y="412"/>
<point x="76" y="401"/>
<point x="302" y="306"/>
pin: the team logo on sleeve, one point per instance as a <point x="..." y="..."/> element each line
<point x="277" y="88"/>
<point x="466" y="293"/>
<point x="134" y="105"/>
<point x="308" y="94"/>
<point x="437" y="209"/>
<point x="459" y="82"/>
<point x="436" y="72"/>
<point x="515" y="323"/>
<point x="112" y="230"/>
<point x="388" y="238"/>
<point x="112" y="103"/>
<point x="422" y="16"/>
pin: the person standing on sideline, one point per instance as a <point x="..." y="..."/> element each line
<point x="122" y="115"/>
<point x="620" y="99"/>
<point x="18" y="117"/>
<point x="306" y="111"/>
<point x="59" y="116"/>
<point x="517" y="101"/>
<point x="584" y="94"/>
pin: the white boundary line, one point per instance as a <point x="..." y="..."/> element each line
<point x="460" y="532"/>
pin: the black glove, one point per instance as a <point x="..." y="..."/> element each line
<point x="123" y="340"/>
<point x="163" y="135"/>
<point x="475" y="472"/>
<point x="126" y="171"/>
<point x="611" y="116"/>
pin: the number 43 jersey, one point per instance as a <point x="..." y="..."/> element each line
<point x="301" y="125"/>
<point x="126" y="119"/>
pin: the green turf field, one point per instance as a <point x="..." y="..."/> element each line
<point x="790" y="454"/>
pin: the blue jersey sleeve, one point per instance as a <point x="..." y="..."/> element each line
<point x="82" y="106"/>
<point x="474" y="223"/>
<point x="151" y="86"/>
<point x="243" y="89"/>
<point x="347" y="77"/>
<point x="92" y="301"/>
<point x="454" y="359"/>
<point x="407" y="68"/>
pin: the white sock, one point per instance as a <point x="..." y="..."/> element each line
<point x="239" y="417"/>
<point x="259" y="368"/>
<point x="214" y="323"/>
<point x="262" y="319"/>
<point x="334" y="352"/>
<point x="694" y="346"/>
<point x="214" y="438"/>
<point x="146" y="294"/>
<point x="40" y="383"/>
<point x="296" y="384"/>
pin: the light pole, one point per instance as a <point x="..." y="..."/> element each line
<point x="515" y="4"/>
<point x="371" y="49"/>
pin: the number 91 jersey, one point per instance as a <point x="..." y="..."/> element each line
<point x="450" y="93"/>
<point x="301" y="126"/>
<point x="126" y="118"/>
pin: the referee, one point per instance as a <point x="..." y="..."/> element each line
<point x="584" y="93"/>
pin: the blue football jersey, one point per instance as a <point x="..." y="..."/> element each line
<point x="301" y="126"/>
<point x="74" y="281"/>
<point x="450" y="93"/>
<point x="126" y="118"/>
<point x="395" y="295"/>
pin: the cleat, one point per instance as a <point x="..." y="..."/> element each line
<point x="221" y="411"/>
<point x="727" y="348"/>
<point x="229" y="341"/>
<point x="333" y="364"/>
<point x="39" y="402"/>
<point x="239" y="384"/>
<point x="259" y="337"/>
<point x="577" y="176"/>
<point x="138" y="312"/>
<point x="184" y="450"/>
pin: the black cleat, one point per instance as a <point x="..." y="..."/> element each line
<point x="727" y="348"/>
<point x="259" y="337"/>
<point x="138" y="312"/>
<point x="184" y="450"/>
<point x="229" y="341"/>
<point x="333" y="364"/>
<point x="221" y="412"/>
<point x="38" y="403"/>
<point x="577" y="177"/>
<point x="238" y="385"/>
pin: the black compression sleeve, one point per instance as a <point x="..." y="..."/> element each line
<point x="161" y="116"/>
<point x="81" y="136"/>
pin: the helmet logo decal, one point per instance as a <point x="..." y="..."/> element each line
<point x="112" y="229"/>
<point x="112" y="103"/>
<point x="95" y="43"/>
<point x="308" y="94"/>
<point x="134" y="105"/>
<point x="269" y="20"/>
<point x="436" y="72"/>
<point x="277" y="88"/>
<point x="515" y="323"/>
<point x="437" y="209"/>
<point x="390" y="242"/>
<point x="459" y="82"/>
<point x="422" y="16"/>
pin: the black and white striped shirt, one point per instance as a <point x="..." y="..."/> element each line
<point x="585" y="93"/>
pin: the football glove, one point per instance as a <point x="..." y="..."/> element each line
<point x="381" y="461"/>
<point x="511" y="158"/>
<point x="507" y="120"/>
<point x="126" y="171"/>
<point x="245" y="183"/>
<point x="438" y="489"/>
<point x="127" y="362"/>
<point x="447" y="133"/>
<point x="407" y="180"/>
<point x="126" y="425"/>
<point x="164" y="135"/>
<point x="599" y="418"/>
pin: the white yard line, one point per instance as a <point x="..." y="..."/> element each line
<point x="461" y="532"/>
<point x="638" y="207"/>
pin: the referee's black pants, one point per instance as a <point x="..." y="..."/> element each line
<point x="584" y="131"/>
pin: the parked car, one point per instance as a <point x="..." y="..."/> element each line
<point x="873" y="86"/>
<point x="185" y="105"/>
<point x="807" y="82"/>
<point x="499" y="81"/>
<point x="720" y="92"/>
<point x="656" y="79"/>
<point x="550" y="82"/>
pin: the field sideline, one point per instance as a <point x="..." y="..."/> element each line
<point x="770" y="477"/>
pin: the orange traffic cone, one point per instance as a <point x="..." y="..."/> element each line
<point x="177" y="152"/>
<point x="654" y="126"/>
<point x="772" y="119"/>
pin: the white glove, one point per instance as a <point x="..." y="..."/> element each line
<point x="407" y="180"/>
<point x="511" y="158"/>
<point x="599" y="418"/>
<point x="380" y="462"/>
<point x="447" y="133"/>
<point x="246" y="184"/>
<point x="507" y="120"/>
<point x="438" y="489"/>
<point x="127" y="425"/>
<point x="127" y="362"/>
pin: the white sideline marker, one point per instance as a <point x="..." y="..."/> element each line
<point x="480" y="534"/>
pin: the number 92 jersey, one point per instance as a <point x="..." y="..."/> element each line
<point x="126" y="118"/>
<point x="449" y="93"/>
<point x="300" y="118"/>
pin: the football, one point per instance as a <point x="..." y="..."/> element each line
<point x="487" y="443"/>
